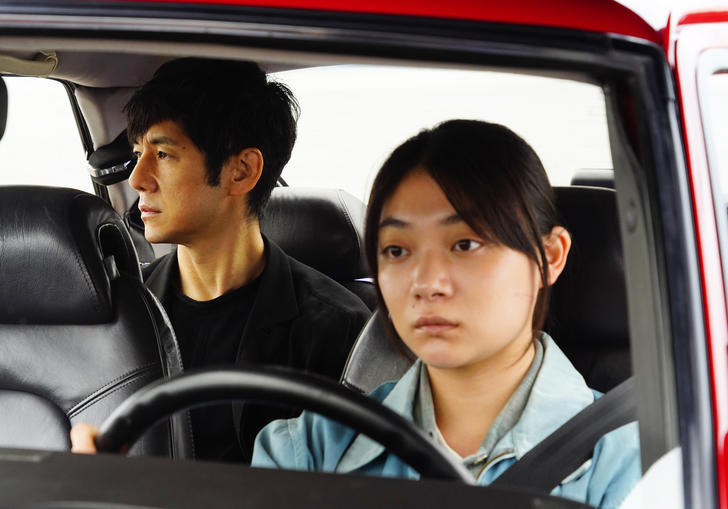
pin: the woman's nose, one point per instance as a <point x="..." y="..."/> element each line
<point x="431" y="278"/>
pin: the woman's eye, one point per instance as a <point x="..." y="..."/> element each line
<point x="394" y="252"/>
<point x="466" y="245"/>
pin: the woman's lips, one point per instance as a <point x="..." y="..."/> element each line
<point x="434" y="324"/>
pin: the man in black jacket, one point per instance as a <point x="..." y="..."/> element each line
<point x="211" y="138"/>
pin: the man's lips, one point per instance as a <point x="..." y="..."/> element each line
<point x="432" y="324"/>
<point x="147" y="211"/>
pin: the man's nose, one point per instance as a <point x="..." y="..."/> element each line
<point x="140" y="178"/>
<point x="431" y="278"/>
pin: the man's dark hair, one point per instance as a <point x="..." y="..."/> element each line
<point x="494" y="181"/>
<point x="224" y="106"/>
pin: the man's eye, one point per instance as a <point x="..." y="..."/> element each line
<point x="162" y="155"/>
<point x="466" y="245"/>
<point x="394" y="252"/>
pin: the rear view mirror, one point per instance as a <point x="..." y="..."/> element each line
<point x="3" y="106"/>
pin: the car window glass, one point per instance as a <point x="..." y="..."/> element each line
<point x="353" y="116"/>
<point x="41" y="145"/>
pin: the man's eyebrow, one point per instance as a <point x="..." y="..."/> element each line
<point x="162" y="140"/>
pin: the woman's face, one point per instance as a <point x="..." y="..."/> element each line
<point x="456" y="300"/>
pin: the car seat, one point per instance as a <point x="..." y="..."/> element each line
<point x="587" y="315"/>
<point x="79" y="332"/>
<point x="322" y="228"/>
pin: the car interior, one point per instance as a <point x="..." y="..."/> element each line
<point x="79" y="332"/>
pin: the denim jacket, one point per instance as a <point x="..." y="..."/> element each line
<point x="311" y="442"/>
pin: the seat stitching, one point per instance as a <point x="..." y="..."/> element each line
<point x="87" y="277"/>
<point x="88" y="399"/>
<point x="350" y="221"/>
<point x="115" y="389"/>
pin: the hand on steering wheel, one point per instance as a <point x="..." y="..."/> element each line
<point x="285" y="387"/>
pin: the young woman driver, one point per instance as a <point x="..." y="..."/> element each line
<point x="463" y="237"/>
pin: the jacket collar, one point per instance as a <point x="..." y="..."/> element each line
<point x="275" y="301"/>
<point x="160" y="274"/>
<point x="558" y="393"/>
<point x="401" y="399"/>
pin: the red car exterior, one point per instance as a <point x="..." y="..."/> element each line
<point x="684" y="39"/>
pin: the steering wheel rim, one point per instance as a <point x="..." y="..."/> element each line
<point x="284" y="387"/>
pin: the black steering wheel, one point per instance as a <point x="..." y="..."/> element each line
<point x="284" y="387"/>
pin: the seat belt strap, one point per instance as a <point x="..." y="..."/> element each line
<point x="566" y="449"/>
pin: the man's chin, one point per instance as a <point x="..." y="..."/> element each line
<point x="154" y="237"/>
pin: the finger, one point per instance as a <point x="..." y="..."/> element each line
<point x="82" y="438"/>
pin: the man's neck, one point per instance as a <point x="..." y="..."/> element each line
<point x="214" y="266"/>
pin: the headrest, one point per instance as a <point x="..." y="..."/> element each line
<point x="319" y="227"/>
<point x="113" y="162"/>
<point x="3" y="106"/>
<point x="59" y="250"/>
<point x="593" y="178"/>
<point x="589" y="300"/>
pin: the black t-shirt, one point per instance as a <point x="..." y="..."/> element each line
<point x="300" y="319"/>
<point x="209" y="333"/>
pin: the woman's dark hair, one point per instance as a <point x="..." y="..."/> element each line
<point x="494" y="181"/>
<point x="224" y="106"/>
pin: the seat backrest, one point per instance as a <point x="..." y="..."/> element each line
<point x="593" y="178"/>
<point x="79" y="332"/>
<point x="587" y="316"/>
<point x="588" y="311"/>
<point x="323" y="229"/>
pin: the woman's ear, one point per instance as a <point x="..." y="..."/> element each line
<point x="556" y="246"/>
<point x="246" y="169"/>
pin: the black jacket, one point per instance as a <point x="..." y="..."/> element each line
<point x="300" y="319"/>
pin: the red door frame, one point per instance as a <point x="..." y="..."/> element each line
<point x="690" y="37"/>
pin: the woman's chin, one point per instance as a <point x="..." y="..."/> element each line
<point x="441" y="358"/>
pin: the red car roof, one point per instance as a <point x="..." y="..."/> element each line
<point x="593" y="15"/>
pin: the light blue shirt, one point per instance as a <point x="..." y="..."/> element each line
<point x="559" y="392"/>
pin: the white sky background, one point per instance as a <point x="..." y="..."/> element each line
<point x="41" y="143"/>
<point x="655" y="12"/>
<point x="352" y="117"/>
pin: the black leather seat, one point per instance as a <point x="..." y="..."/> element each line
<point x="78" y="330"/>
<point x="588" y="311"/>
<point x="322" y="228"/>
<point x="594" y="178"/>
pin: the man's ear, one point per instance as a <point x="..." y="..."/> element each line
<point x="247" y="167"/>
<point x="556" y="246"/>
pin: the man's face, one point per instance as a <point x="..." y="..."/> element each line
<point x="176" y="203"/>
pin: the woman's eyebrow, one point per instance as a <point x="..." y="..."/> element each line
<point x="452" y="219"/>
<point x="398" y="223"/>
<point x="394" y="222"/>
